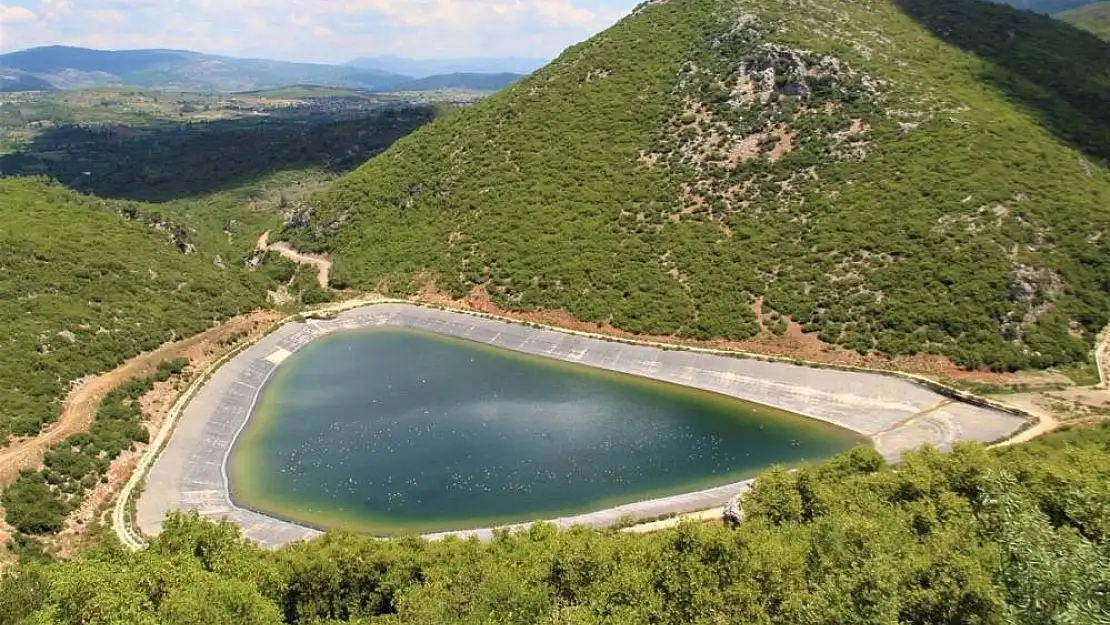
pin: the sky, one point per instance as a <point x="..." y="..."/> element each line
<point x="328" y="31"/>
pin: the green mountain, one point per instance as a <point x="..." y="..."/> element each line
<point x="67" y="67"/>
<point x="1093" y="17"/>
<point x="15" y="80"/>
<point x="911" y="176"/>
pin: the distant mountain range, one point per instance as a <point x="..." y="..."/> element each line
<point x="460" y="81"/>
<point x="65" y="67"/>
<point x="423" y="68"/>
<point x="15" y="80"/>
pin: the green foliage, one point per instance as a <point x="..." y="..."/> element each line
<point x="972" y="538"/>
<point x="29" y="549"/>
<point x="306" y="286"/>
<point x="39" y="501"/>
<point x="82" y="289"/>
<point x="919" y="177"/>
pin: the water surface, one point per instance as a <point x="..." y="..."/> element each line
<point x="394" y="430"/>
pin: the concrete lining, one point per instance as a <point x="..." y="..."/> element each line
<point x="897" y="414"/>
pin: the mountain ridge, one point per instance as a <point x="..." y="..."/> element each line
<point x="860" y="180"/>
<point x="67" y="67"/>
<point x="423" y="68"/>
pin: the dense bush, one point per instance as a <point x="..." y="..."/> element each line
<point x="979" y="537"/>
<point x="942" y="189"/>
<point x="82" y="289"/>
<point x="39" y="501"/>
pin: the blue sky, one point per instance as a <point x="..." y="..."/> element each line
<point x="312" y="30"/>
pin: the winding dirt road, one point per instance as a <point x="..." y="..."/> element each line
<point x="321" y="262"/>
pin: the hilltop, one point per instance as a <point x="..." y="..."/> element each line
<point x="901" y="178"/>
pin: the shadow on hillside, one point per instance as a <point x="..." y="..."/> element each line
<point x="1053" y="69"/>
<point x="178" y="161"/>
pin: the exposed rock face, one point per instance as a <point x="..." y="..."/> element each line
<point x="734" y="512"/>
<point x="775" y="69"/>
<point x="1031" y="283"/>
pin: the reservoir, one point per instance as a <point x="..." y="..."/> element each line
<point x="390" y="431"/>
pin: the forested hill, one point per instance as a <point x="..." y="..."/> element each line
<point x="898" y="176"/>
<point x="86" y="283"/>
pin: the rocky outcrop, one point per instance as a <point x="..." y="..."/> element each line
<point x="733" y="513"/>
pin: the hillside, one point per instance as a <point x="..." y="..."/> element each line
<point x="1016" y="536"/>
<point x="67" y="67"/>
<point x="86" y="283"/>
<point x="13" y="80"/>
<point x="181" y="185"/>
<point x="911" y="177"/>
<point x="1093" y="17"/>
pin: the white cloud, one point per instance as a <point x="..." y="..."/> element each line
<point x="316" y="30"/>
<point x="15" y="15"/>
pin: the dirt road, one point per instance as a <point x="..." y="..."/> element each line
<point x="82" y="402"/>
<point x="322" y="263"/>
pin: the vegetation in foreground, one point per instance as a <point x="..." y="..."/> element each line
<point x="901" y="177"/>
<point x="1014" y="536"/>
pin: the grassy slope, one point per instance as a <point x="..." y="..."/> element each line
<point x="81" y="289"/>
<point x="1094" y="17"/>
<point x="964" y="217"/>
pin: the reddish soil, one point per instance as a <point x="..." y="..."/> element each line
<point x="795" y="344"/>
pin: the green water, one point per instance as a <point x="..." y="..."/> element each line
<point x="388" y="431"/>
